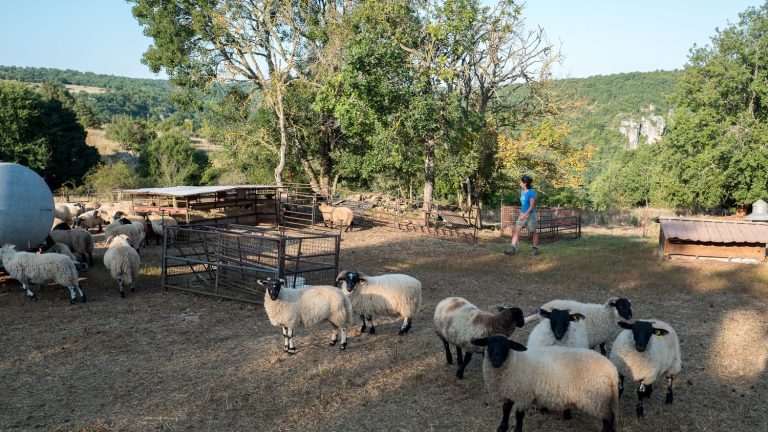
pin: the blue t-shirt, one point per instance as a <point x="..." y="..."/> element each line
<point x="525" y="199"/>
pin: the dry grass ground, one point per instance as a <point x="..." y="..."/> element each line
<point x="171" y="361"/>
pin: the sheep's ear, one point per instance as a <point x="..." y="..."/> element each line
<point x="577" y="316"/>
<point x="625" y="325"/>
<point x="480" y="342"/>
<point x="261" y="282"/>
<point x="517" y="346"/>
<point x="363" y="277"/>
<point x="341" y="276"/>
<point x="660" y="332"/>
<point x="545" y="313"/>
<point x="519" y="318"/>
<point x="500" y="308"/>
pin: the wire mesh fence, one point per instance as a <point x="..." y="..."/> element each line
<point x="226" y="260"/>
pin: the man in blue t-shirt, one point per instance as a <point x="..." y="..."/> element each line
<point x="527" y="216"/>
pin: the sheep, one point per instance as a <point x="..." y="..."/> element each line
<point x="551" y="377"/>
<point x="600" y="319"/>
<point x="59" y="224"/>
<point x="560" y="328"/>
<point x="645" y="358"/>
<point x="52" y="247"/>
<point x="158" y="222"/>
<point x="78" y="240"/>
<point x="28" y="267"/>
<point x="90" y="219"/>
<point x="337" y="216"/>
<point x="458" y="321"/>
<point x="92" y="205"/>
<point x="109" y="209"/>
<point x="288" y="307"/>
<point x="389" y="294"/>
<point x="134" y="231"/>
<point x="123" y="261"/>
<point x="68" y="211"/>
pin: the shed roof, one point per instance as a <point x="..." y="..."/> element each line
<point x="715" y="231"/>
<point x="184" y="191"/>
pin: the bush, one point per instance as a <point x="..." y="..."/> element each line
<point x="108" y="177"/>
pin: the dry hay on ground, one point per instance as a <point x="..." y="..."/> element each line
<point x="172" y="361"/>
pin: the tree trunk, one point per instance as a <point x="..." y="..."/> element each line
<point x="283" y="136"/>
<point x="429" y="179"/>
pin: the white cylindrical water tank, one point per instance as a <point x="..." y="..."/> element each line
<point x="26" y="207"/>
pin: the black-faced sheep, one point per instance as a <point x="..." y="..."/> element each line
<point x="458" y="322"/>
<point x="32" y="268"/>
<point x="134" y="231"/>
<point x="552" y="377"/>
<point x="90" y="219"/>
<point x="559" y="328"/>
<point x="123" y="262"/>
<point x="78" y="240"/>
<point x="644" y="351"/>
<point x="389" y="295"/>
<point x="158" y="222"/>
<point x="289" y="308"/>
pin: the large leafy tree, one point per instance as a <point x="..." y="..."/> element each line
<point x="40" y="132"/>
<point x="170" y="160"/>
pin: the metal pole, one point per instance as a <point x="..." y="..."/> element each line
<point x="165" y="259"/>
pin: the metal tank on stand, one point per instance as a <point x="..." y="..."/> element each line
<point x="26" y="207"/>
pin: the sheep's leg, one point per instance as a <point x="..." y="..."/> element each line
<point x="519" y="415"/>
<point x="621" y="385"/>
<point x="30" y="294"/>
<point x="459" y="357"/>
<point x="133" y="285"/>
<point x="641" y="393"/>
<point x="90" y="258"/>
<point x="121" y="285"/>
<point x="603" y="351"/>
<point x="72" y="295"/>
<point x="505" y="410"/>
<point x="373" y="329"/>
<point x="82" y="293"/>
<point x="362" y="329"/>
<point x="567" y="415"/>
<point x="669" y="397"/>
<point x="448" y="356"/>
<point x="285" y="339"/>
<point x="406" y="326"/>
<point x="334" y="336"/>
<point x="609" y="421"/>
<point x="291" y="347"/>
<point x="463" y="365"/>
<point x="343" y="345"/>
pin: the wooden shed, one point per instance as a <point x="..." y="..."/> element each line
<point x="717" y="239"/>
<point x="240" y="204"/>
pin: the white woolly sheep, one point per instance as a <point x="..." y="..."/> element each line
<point x="457" y="321"/>
<point x="288" y="308"/>
<point x="551" y="377"/>
<point x="158" y="222"/>
<point x="559" y="328"/>
<point x="91" y="205"/>
<point x="27" y="267"/>
<point x="600" y="319"/>
<point x="68" y="211"/>
<point x="78" y="240"/>
<point x="644" y="351"/>
<point x="134" y="231"/>
<point x="110" y="209"/>
<point x="60" y="248"/>
<point x="389" y="294"/>
<point x="337" y="216"/>
<point x="123" y="262"/>
<point x="59" y="224"/>
<point x="90" y="219"/>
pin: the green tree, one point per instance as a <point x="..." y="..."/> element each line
<point x="170" y="160"/>
<point x="133" y="134"/>
<point x="41" y="133"/>
<point x="107" y="177"/>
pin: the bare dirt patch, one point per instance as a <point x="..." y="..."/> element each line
<point x="171" y="361"/>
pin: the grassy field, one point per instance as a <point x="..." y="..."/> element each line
<point x="169" y="361"/>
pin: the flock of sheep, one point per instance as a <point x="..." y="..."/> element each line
<point x="68" y="249"/>
<point x="557" y="369"/>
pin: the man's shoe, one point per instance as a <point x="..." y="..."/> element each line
<point x="510" y="251"/>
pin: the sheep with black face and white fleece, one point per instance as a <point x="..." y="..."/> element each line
<point x="551" y="377"/>
<point x="289" y="308"/>
<point x="90" y="219"/>
<point x="600" y="319"/>
<point x="158" y="223"/>
<point x="559" y="328"/>
<point x="645" y="351"/>
<point x="134" y="230"/>
<point x="123" y="262"/>
<point x="60" y="248"/>
<point x="33" y="268"/>
<point x="78" y="240"/>
<point x="458" y="322"/>
<point x="68" y="211"/>
<point x="389" y="294"/>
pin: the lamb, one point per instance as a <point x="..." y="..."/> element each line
<point x="559" y="328"/>
<point x="337" y="216"/>
<point x="389" y="294"/>
<point x="458" y="321"/>
<point x="78" y="240"/>
<point x="158" y="222"/>
<point x="551" y="377"/>
<point x="600" y="319"/>
<point x="644" y="358"/>
<point x="123" y="261"/>
<point x="288" y="307"/>
<point x="28" y="267"/>
<point x="134" y="231"/>
<point x="90" y="219"/>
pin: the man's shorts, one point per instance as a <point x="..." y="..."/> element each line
<point x="530" y="221"/>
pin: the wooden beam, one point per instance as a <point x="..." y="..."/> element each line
<point x="756" y="252"/>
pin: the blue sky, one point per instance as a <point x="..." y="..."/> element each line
<point x="596" y="37"/>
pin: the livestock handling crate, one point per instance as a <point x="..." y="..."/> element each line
<point x="225" y="260"/>
<point x="555" y="223"/>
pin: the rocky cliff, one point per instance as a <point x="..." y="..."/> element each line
<point x="650" y="125"/>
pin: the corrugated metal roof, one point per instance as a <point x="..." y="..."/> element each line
<point x="715" y="231"/>
<point x="183" y="191"/>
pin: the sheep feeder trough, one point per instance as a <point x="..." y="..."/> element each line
<point x="226" y="260"/>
